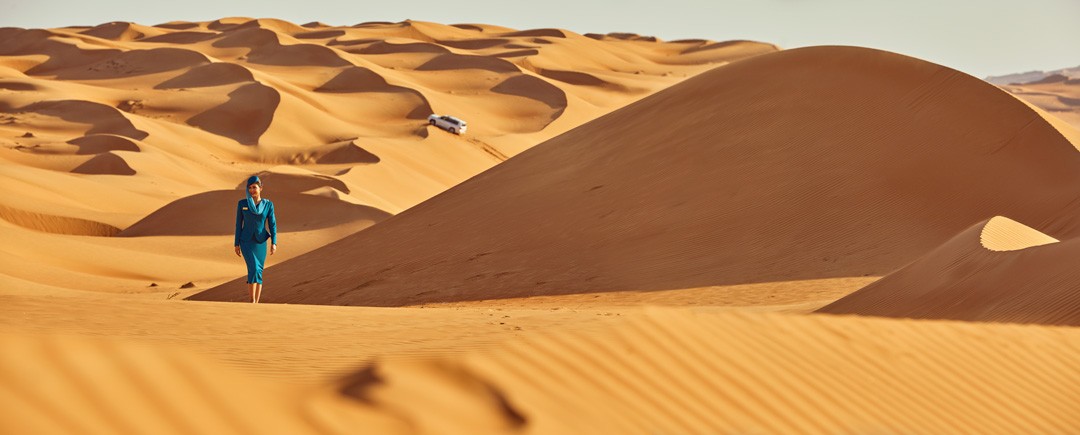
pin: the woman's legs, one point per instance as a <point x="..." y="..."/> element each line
<point x="255" y="256"/>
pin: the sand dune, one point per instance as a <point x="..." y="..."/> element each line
<point x="56" y="224"/>
<point x="108" y="163"/>
<point x="101" y="143"/>
<point x="120" y="31"/>
<point x="382" y="47"/>
<point x="205" y="104"/>
<point x="349" y="153"/>
<point x="61" y="55"/>
<point x="547" y="33"/>
<point x="177" y="25"/>
<point x="245" y="117"/>
<point x="476" y="44"/>
<point x="359" y="79"/>
<point x="214" y="74"/>
<point x="534" y="88"/>
<point x="576" y="78"/>
<point x="322" y="34"/>
<point x="804" y="164"/>
<point x="201" y="214"/>
<point x="996" y="271"/>
<point x="182" y="37"/>
<point x="266" y="50"/>
<point x="457" y="62"/>
<point x="102" y="119"/>
<point x="132" y="63"/>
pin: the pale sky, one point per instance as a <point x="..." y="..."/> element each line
<point x="981" y="38"/>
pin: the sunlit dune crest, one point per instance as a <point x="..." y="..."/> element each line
<point x="1003" y="234"/>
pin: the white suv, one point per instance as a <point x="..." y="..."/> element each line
<point x="448" y="123"/>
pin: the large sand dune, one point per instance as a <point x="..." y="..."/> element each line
<point x="803" y="164"/>
<point x="999" y="270"/>
<point x="114" y="126"/>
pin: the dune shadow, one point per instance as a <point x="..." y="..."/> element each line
<point x="53" y="224"/>
<point x="214" y="213"/>
<point x="102" y="143"/>
<point x="463" y="62"/>
<point x="135" y="63"/>
<point x="360" y="79"/>
<point x="101" y="118"/>
<point x="214" y="74"/>
<point x="245" y="117"/>
<point x="105" y="164"/>
<point x="184" y="37"/>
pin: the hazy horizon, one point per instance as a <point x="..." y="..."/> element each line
<point x="984" y="38"/>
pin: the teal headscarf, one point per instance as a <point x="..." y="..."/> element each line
<point x="254" y="208"/>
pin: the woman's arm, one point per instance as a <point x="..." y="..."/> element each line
<point x="239" y="225"/>
<point x="272" y="220"/>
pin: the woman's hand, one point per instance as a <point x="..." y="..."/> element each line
<point x="273" y="249"/>
<point x="237" y="248"/>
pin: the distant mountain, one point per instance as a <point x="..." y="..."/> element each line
<point x="1032" y="76"/>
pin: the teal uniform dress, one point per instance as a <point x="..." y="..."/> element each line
<point x="252" y="234"/>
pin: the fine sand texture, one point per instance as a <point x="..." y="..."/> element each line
<point x="628" y="371"/>
<point x="813" y="163"/>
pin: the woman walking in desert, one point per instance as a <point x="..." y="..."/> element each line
<point x="255" y="224"/>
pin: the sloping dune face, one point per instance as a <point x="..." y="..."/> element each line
<point x="808" y="163"/>
<point x="996" y="271"/>
<point x="107" y="124"/>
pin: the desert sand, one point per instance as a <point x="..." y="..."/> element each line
<point x="634" y="236"/>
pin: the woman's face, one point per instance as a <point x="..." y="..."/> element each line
<point x="254" y="189"/>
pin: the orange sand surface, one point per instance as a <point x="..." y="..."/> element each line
<point x="634" y="235"/>
<point x="436" y="370"/>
